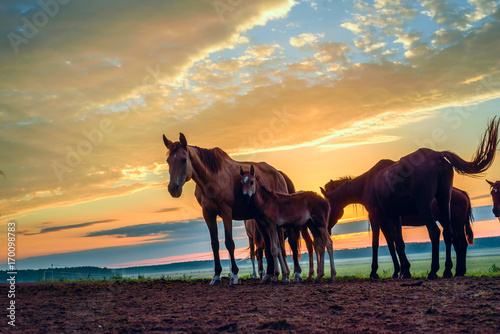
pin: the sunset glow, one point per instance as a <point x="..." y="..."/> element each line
<point x="317" y="89"/>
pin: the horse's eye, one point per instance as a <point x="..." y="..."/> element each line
<point x="251" y="183"/>
<point x="184" y="160"/>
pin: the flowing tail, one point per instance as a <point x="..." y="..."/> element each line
<point x="289" y="183"/>
<point x="484" y="156"/>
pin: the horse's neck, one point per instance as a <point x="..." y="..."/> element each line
<point x="200" y="174"/>
<point x="262" y="197"/>
<point x="351" y="192"/>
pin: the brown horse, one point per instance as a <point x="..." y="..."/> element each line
<point x="495" y="196"/>
<point x="218" y="191"/>
<point x="275" y="210"/>
<point x="409" y="187"/>
<point x="461" y="217"/>
<point x="256" y="245"/>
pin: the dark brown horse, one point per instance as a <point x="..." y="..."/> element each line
<point x="409" y="187"/>
<point x="218" y="191"/>
<point x="256" y="245"/>
<point x="275" y="210"/>
<point x="495" y="196"/>
<point x="461" y="217"/>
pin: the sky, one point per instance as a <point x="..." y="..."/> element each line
<point x="318" y="89"/>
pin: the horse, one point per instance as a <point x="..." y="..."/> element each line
<point x="495" y="196"/>
<point x="277" y="210"/>
<point x="256" y="245"/>
<point x="408" y="187"/>
<point x="218" y="191"/>
<point x="461" y="217"/>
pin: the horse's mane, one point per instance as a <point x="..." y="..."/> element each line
<point x="212" y="158"/>
<point x="332" y="185"/>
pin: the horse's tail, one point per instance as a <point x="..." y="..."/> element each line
<point x="289" y="183"/>
<point x="484" y="156"/>
<point x="470" y="218"/>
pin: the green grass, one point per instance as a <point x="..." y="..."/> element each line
<point x="478" y="264"/>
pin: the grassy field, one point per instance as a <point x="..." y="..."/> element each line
<point x="479" y="262"/>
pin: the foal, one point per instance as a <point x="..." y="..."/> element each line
<point x="275" y="210"/>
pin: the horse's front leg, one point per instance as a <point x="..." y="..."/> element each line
<point x="264" y="230"/>
<point x="227" y="219"/>
<point x="275" y="251"/>
<point x="211" y="220"/>
<point x="375" y="222"/>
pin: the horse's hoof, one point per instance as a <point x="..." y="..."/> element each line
<point x="395" y="275"/>
<point x="460" y="274"/>
<point x="432" y="276"/>
<point x="274" y="281"/>
<point x="215" y="281"/>
<point x="285" y="280"/>
<point x="447" y="274"/>
<point x="266" y="279"/>
<point x="405" y="275"/>
<point x="374" y="276"/>
<point x="297" y="278"/>
<point x="235" y="280"/>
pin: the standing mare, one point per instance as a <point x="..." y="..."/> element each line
<point x="409" y="187"/>
<point x="218" y="191"/>
<point x="302" y="209"/>
<point x="461" y="217"/>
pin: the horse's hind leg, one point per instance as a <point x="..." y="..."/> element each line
<point x="293" y="238"/>
<point x="260" y="264"/>
<point x="395" y="225"/>
<point x="251" y="244"/>
<point x="434" y="233"/>
<point x="319" y="244"/>
<point x="285" y="271"/>
<point x="443" y="199"/>
<point x="329" y="248"/>
<point x="460" y="245"/>
<point x="388" y="234"/>
<point x="310" y="251"/>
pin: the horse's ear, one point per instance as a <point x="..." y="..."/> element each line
<point x="166" y="141"/>
<point x="252" y="170"/>
<point x="183" y="140"/>
<point x="490" y="183"/>
<point x="241" y="171"/>
<point x="323" y="191"/>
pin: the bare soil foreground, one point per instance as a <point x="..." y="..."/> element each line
<point x="459" y="305"/>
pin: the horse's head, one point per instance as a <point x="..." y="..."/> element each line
<point x="337" y="210"/>
<point x="248" y="183"/>
<point x="179" y="164"/>
<point x="495" y="196"/>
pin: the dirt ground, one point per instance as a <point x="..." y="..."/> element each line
<point x="462" y="305"/>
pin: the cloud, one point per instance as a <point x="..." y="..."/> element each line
<point x="67" y="227"/>
<point x="305" y="39"/>
<point x="166" y="210"/>
<point x="94" y="64"/>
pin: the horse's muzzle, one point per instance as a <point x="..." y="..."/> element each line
<point x="496" y="212"/>
<point x="175" y="190"/>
